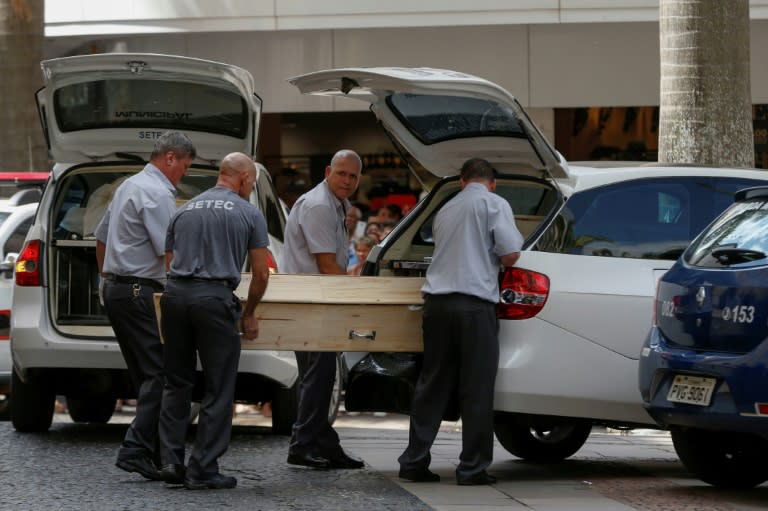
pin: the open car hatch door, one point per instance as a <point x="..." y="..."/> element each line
<point x="442" y="118"/>
<point x="93" y="107"/>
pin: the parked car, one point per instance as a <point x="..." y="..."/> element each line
<point x="100" y="115"/>
<point x="15" y="220"/>
<point x="704" y="366"/>
<point x="15" y="181"/>
<point x="577" y="306"/>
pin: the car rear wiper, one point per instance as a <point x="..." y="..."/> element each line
<point x="129" y="156"/>
<point x="727" y="256"/>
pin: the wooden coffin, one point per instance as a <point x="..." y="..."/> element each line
<point x="336" y="313"/>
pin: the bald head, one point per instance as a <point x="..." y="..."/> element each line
<point x="238" y="173"/>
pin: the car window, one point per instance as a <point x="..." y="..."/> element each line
<point x="646" y="218"/>
<point x="16" y="240"/>
<point x="433" y="119"/>
<point x="157" y="104"/>
<point x="739" y="238"/>
<point x="4" y="216"/>
<point x="269" y="206"/>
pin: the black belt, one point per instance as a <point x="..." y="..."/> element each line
<point x="123" y="279"/>
<point x="221" y="282"/>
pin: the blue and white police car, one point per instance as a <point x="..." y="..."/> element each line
<point x="704" y="366"/>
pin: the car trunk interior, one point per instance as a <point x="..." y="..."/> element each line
<point x="533" y="202"/>
<point x="81" y="201"/>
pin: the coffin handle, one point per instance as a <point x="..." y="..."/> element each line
<point x="369" y="335"/>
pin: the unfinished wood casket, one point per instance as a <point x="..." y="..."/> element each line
<point x="337" y="313"/>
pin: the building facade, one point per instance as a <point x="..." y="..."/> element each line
<point x="586" y="70"/>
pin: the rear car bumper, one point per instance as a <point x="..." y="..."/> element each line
<point x="742" y="383"/>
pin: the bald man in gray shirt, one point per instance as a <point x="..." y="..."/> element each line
<point x="207" y="243"/>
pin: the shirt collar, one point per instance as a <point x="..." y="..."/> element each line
<point x="156" y="173"/>
<point x="475" y="186"/>
<point x="343" y="205"/>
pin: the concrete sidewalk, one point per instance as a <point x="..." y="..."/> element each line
<point x="614" y="470"/>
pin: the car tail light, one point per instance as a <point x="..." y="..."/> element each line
<point x="523" y="293"/>
<point x="762" y="408"/>
<point x="28" y="265"/>
<point x="5" y="324"/>
<point x="271" y="262"/>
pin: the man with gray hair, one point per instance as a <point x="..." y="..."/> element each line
<point x="130" y="252"/>
<point x="316" y="242"/>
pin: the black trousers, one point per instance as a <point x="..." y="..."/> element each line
<point x="312" y="432"/>
<point x="461" y="354"/>
<point x="131" y="311"/>
<point x="199" y="319"/>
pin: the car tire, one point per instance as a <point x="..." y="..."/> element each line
<point x="541" y="440"/>
<point x="32" y="405"/>
<point x="285" y="403"/>
<point x="721" y="458"/>
<point x="95" y="409"/>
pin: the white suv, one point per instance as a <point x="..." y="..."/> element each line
<point x="100" y="115"/>
<point x="577" y="307"/>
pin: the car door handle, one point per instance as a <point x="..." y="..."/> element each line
<point x="369" y="335"/>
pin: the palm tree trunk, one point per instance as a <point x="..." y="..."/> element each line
<point x="705" y="103"/>
<point x="21" y="50"/>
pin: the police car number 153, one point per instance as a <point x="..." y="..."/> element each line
<point x="739" y="314"/>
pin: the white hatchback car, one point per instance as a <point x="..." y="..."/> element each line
<point x="100" y="115"/>
<point x="576" y="308"/>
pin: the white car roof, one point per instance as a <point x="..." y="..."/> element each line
<point x="585" y="177"/>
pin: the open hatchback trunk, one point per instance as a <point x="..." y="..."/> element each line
<point x="101" y="115"/>
<point x="437" y="119"/>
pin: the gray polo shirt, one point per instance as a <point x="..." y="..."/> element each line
<point x="211" y="235"/>
<point x="134" y="225"/>
<point x="315" y="226"/>
<point x="471" y="232"/>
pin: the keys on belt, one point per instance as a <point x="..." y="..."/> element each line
<point x="136" y="281"/>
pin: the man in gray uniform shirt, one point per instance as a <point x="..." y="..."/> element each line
<point x="130" y="249"/>
<point x="207" y="243"/>
<point x="474" y="234"/>
<point x="316" y="242"/>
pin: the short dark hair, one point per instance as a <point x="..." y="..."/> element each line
<point x="175" y="141"/>
<point x="395" y="209"/>
<point x="477" y="169"/>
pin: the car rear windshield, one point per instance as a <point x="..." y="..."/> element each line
<point x="434" y="119"/>
<point x="739" y="238"/>
<point x="150" y="103"/>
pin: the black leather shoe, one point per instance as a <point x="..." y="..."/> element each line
<point x="419" y="476"/>
<point x="344" y="460"/>
<point x="308" y="459"/>
<point x="212" y="482"/>
<point x="140" y="464"/>
<point x="172" y="473"/>
<point x="477" y="479"/>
